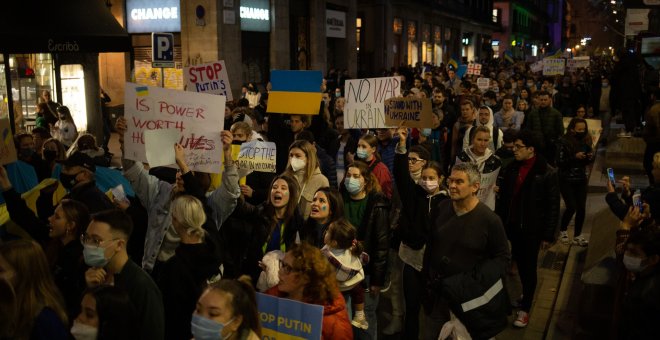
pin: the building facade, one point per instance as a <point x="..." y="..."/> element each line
<point x="527" y="28"/>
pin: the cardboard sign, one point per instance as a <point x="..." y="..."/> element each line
<point x="412" y="112"/>
<point x="365" y="101"/>
<point x="198" y="117"/>
<point x="159" y="146"/>
<point x="257" y="156"/>
<point x="288" y="319"/>
<point x="208" y="78"/>
<point x="295" y="92"/>
<point x="594" y="127"/>
<point x="577" y="62"/>
<point x="555" y="66"/>
<point x="474" y="69"/>
<point x="7" y="147"/>
<point x="483" y="84"/>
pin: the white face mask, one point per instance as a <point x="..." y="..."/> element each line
<point x="81" y="331"/>
<point x="633" y="264"/>
<point x="429" y="186"/>
<point x="297" y="163"/>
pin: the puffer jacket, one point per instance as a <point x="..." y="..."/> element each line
<point x="570" y="168"/>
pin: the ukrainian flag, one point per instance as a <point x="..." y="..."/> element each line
<point x="142" y="91"/>
<point x="295" y="92"/>
<point x="508" y="56"/>
<point x="452" y="63"/>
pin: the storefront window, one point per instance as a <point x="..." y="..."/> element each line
<point x="73" y="93"/>
<point x="3" y="89"/>
<point x="30" y="75"/>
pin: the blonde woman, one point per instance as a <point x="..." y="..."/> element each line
<point x="184" y="275"/>
<point x="304" y="167"/>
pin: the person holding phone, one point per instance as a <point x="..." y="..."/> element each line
<point x="573" y="155"/>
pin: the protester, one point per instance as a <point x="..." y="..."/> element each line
<point x="489" y="165"/>
<point x="367" y="208"/>
<point x="485" y="119"/>
<point x="345" y="253"/>
<point x="419" y="197"/>
<point x="548" y="122"/>
<point x="105" y="252"/>
<point x="106" y="313"/>
<point x="327" y="207"/>
<point x="505" y="153"/>
<point x="574" y="155"/>
<point x="528" y="204"/>
<point x="467" y="119"/>
<point x="304" y="167"/>
<point x="40" y="311"/>
<point x="65" y="129"/>
<point x="307" y="276"/>
<point x="40" y="135"/>
<point x="53" y="152"/>
<point x="326" y="163"/>
<point x="453" y="250"/>
<point x="256" y="186"/>
<point x="343" y="148"/>
<point x="367" y="151"/>
<point x="86" y="143"/>
<point x="27" y="152"/>
<point x="184" y="275"/>
<point x="508" y="117"/>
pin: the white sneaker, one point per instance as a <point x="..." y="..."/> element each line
<point x="522" y="319"/>
<point x="360" y="321"/>
<point x="563" y="237"/>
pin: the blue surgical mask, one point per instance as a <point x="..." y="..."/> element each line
<point x="352" y="185"/>
<point x="94" y="256"/>
<point x="207" y="329"/>
<point x="362" y="153"/>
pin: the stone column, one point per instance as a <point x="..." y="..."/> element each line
<point x="229" y="47"/>
<point x="351" y="40"/>
<point x="318" y="43"/>
<point x="280" y="49"/>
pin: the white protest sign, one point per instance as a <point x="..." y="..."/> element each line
<point x="159" y="146"/>
<point x="208" y="78"/>
<point x="365" y="101"/>
<point x="554" y="66"/>
<point x="198" y="118"/>
<point x="537" y="66"/>
<point x="483" y="84"/>
<point x="577" y="62"/>
<point x="257" y="156"/>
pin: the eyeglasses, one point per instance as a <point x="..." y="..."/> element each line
<point x="414" y="160"/>
<point x="518" y="146"/>
<point x="87" y="240"/>
<point x="285" y="268"/>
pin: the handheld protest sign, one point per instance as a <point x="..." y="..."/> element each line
<point x="7" y="147"/>
<point x="411" y="112"/>
<point x="209" y="78"/>
<point x="198" y="118"/>
<point x="288" y="319"/>
<point x="365" y="101"/>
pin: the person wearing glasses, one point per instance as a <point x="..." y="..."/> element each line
<point x="307" y="276"/>
<point x="528" y="204"/>
<point x="419" y="183"/>
<point x="58" y="235"/>
<point x="104" y="250"/>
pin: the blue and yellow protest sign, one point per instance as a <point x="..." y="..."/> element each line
<point x="287" y="319"/>
<point x="295" y="92"/>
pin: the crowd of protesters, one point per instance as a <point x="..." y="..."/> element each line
<point x="432" y="218"/>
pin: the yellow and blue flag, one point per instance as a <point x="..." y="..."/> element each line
<point x="295" y="92"/>
<point x="508" y="56"/>
<point x="142" y="91"/>
<point x="452" y="63"/>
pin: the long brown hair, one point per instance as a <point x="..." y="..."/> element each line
<point x="570" y="130"/>
<point x="291" y="206"/>
<point x="33" y="283"/>
<point x="243" y="302"/>
<point x="321" y="285"/>
<point x="312" y="161"/>
<point x="76" y="212"/>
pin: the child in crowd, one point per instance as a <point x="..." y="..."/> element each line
<point x="345" y="253"/>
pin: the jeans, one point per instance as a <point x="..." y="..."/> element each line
<point x="575" y="199"/>
<point x="370" y="306"/>
<point x="412" y="290"/>
<point x="395" y="293"/>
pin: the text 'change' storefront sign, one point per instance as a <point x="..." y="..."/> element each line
<point x="255" y="15"/>
<point x="146" y="16"/>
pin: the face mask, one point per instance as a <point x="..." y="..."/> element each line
<point x="207" y="329"/>
<point x="429" y="186"/>
<point x="26" y="153"/>
<point x="426" y="132"/>
<point x="68" y="181"/>
<point x="80" y="331"/>
<point x="337" y="94"/>
<point x="297" y="163"/>
<point x="633" y="264"/>
<point x="352" y="185"/>
<point x="94" y="256"/>
<point x="580" y="135"/>
<point x="50" y="155"/>
<point x="362" y="153"/>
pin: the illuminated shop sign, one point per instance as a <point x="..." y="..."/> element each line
<point x="255" y="15"/>
<point x="146" y="16"/>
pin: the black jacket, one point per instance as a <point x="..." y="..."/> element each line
<point x="572" y="169"/>
<point x="313" y="233"/>
<point x="374" y="232"/>
<point x="88" y="193"/>
<point x="181" y="281"/>
<point x="416" y="205"/>
<point x="641" y="311"/>
<point x="536" y="209"/>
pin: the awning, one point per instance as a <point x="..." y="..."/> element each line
<point x="38" y="26"/>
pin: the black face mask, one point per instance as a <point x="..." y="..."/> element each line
<point x="26" y="153"/>
<point x="68" y="181"/>
<point x="580" y="135"/>
<point x="50" y="155"/>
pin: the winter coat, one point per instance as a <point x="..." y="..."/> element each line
<point x="308" y="189"/>
<point x="570" y="168"/>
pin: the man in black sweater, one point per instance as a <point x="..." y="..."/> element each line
<point x="465" y="233"/>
